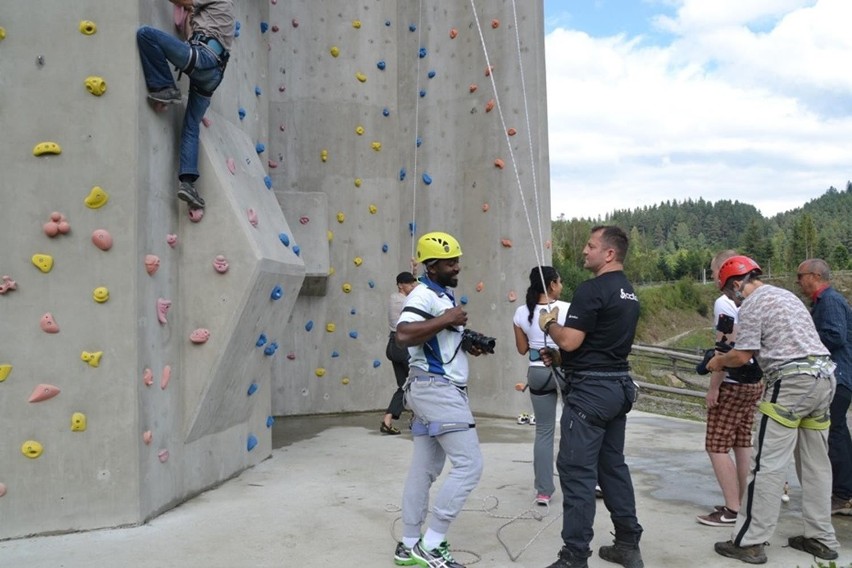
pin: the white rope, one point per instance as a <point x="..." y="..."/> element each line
<point x="413" y="228"/>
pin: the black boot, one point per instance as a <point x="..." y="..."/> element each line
<point x="623" y="553"/>
<point x="568" y="559"/>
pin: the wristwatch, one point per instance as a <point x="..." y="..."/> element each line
<point x="548" y="324"/>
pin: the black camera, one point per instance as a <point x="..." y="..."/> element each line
<point x="748" y="373"/>
<point x="471" y="340"/>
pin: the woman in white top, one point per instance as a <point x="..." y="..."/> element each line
<point x="543" y="293"/>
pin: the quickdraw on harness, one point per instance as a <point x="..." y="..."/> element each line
<point x="817" y="367"/>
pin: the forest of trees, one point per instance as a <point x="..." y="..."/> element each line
<point x="676" y="240"/>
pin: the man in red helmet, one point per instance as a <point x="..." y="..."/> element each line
<point x="776" y="328"/>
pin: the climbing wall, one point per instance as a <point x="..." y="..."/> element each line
<point x="144" y="352"/>
<point x="384" y="125"/>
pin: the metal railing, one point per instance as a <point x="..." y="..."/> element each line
<point x="666" y="357"/>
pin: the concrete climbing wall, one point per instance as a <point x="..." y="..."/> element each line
<point x="143" y="354"/>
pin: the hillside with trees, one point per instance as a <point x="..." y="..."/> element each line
<point x="676" y="240"/>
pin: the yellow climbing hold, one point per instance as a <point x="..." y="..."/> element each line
<point x="43" y="262"/>
<point x="356" y="24"/>
<point x="344" y="381"/>
<point x="93" y="359"/>
<point x="330" y="327"/>
<point x="361" y="77"/>
<point x="78" y="422"/>
<point x="97" y="198"/>
<point x="88" y="27"/>
<point x="373" y="209"/>
<point x="43" y="148"/>
<point x="5" y="370"/>
<point x="359" y="130"/>
<point x="358" y="261"/>
<point x="101" y="294"/>
<point x="335" y="51"/>
<point x="320" y="372"/>
<point x="377" y="146"/>
<point x="347" y="287"/>
<point x="2" y="33"/>
<point x="324" y="155"/>
<point x="331" y="271"/>
<point x="31" y="449"/>
<point x="340" y="217"/>
<point x="358" y="182"/>
<point x="329" y="235"/>
<point x="95" y="85"/>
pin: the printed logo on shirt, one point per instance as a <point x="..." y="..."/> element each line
<point x="628" y="296"/>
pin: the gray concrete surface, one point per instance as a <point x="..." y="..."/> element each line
<point x="330" y="494"/>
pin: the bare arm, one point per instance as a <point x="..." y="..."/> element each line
<point x="521" y="341"/>
<point x="733" y="358"/>
<point x="567" y="338"/>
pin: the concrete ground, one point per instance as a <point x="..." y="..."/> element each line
<point x="330" y="495"/>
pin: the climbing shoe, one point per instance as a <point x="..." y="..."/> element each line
<point x="168" y="95"/>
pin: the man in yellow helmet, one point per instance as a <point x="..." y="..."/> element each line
<point x="431" y="326"/>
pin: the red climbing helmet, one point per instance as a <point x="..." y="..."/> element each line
<point x="736" y="266"/>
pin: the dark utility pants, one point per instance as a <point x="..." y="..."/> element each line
<point x="840" y="444"/>
<point x="592" y="450"/>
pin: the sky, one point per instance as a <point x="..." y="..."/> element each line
<point x="658" y="100"/>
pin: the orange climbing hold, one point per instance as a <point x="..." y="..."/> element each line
<point x="512" y="296"/>
<point x="485" y="207"/>
<point x="480" y="286"/>
<point x="453" y="33"/>
<point x="166" y="377"/>
<point x="488" y="70"/>
<point x="473" y="87"/>
<point x="498" y="163"/>
<point x="511" y="132"/>
<point x="495" y="23"/>
<point x="506" y="243"/>
<point x="489" y="106"/>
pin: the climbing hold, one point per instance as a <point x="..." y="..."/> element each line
<point x="340" y="217"/>
<point x="421" y="53"/>
<point x="359" y="130"/>
<point x="489" y="106"/>
<point x="284" y="238"/>
<point x="324" y="155"/>
<point x="371" y="283"/>
<point x="147" y="437"/>
<point x="358" y="182"/>
<point x="43" y="148"/>
<point x="412" y="27"/>
<point x="261" y="340"/>
<point x="353" y="311"/>
<point x="291" y="356"/>
<point x="353" y="334"/>
<point x="335" y="51"/>
<point x="344" y="381"/>
<point x="277" y="293"/>
<point x="356" y="24"/>
<point x="347" y="287"/>
<point x="335" y="354"/>
<point x="431" y="74"/>
<point x="251" y="442"/>
<point x="495" y="23"/>
<point x="5" y="371"/>
<point x="199" y="335"/>
<point x="88" y="27"/>
<point x="97" y="198"/>
<point x="472" y="88"/>
<point x="237" y="27"/>
<point x="241" y="113"/>
<point x="385" y="247"/>
<point x="274" y="28"/>
<point x="267" y="181"/>
<point x="520" y="387"/>
<point x="485" y="207"/>
<point x="152" y="263"/>
<point x="270" y="349"/>
<point x="163" y="456"/>
<point x="377" y="146"/>
<point x="412" y="227"/>
<point x="100" y="294"/>
<point x="361" y="77"/>
<point x="385" y="112"/>
<point x="547" y="244"/>
<point x="330" y="327"/>
<point x="270" y="421"/>
<point x="512" y="296"/>
<point x="32" y="449"/>
<point x="381" y="65"/>
<point x="488" y="70"/>
<point x="294" y="22"/>
<point x="252" y="389"/>
<point x="232" y="165"/>
<point x="427" y="179"/>
<point x="252" y="216"/>
<point x="329" y="235"/>
<point x="480" y="286"/>
<point x="95" y="85"/>
<point x="102" y="239"/>
<point x="93" y="359"/>
<point x="48" y="324"/>
<point x="498" y="163"/>
<point x="2" y="485"/>
<point x="511" y="132"/>
<point x="43" y="392"/>
<point x="463" y="300"/>
<point x="206" y="122"/>
<point x="260" y="148"/>
<point x="376" y="363"/>
<point x="422" y="93"/>
<point x="373" y="209"/>
<point x="171" y="240"/>
<point x="402" y="173"/>
<point x="263" y="27"/>
<point x="304" y="220"/>
<point x="453" y="33"/>
<point x="220" y="264"/>
<point x="78" y="422"/>
<point x="272" y="164"/>
<point x="163" y="306"/>
<point x="357" y="261"/>
<point x="7" y="285"/>
<point x="418" y="141"/>
<point x="506" y="243"/>
<point x="320" y="372"/>
<point x="148" y="377"/>
<point x="309" y="326"/>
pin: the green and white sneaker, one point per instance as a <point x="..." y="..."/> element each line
<point x="436" y="558"/>
<point x="402" y="556"/>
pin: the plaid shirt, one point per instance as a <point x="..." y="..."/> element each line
<point x="833" y="320"/>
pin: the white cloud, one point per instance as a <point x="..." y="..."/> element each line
<point x="722" y="112"/>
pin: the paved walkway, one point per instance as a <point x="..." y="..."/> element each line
<point x="330" y="493"/>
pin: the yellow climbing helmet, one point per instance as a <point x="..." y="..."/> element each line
<point x="437" y="245"/>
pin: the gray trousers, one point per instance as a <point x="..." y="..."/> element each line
<point x="544" y="401"/>
<point x="435" y="404"/>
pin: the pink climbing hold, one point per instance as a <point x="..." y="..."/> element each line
<point x="291" y="356"/>
<point x="274" y="28"/>
<point x="281" y="89"/>
<point x="102" y="239"/>
<point x="511" y="132"/>
<point x="163" y="456"/>
<point x="295" y="23"/>
<point x="57" y="224"/>
<point x="196" y="215"/>
<point x="489" y="106"/>
<point x="200" y="335"/>
<point x="281" y="127"/>
<point x="480" y="286"/>
<point x="495" y="23"/>
<point x="304" y="220"/>
<point x="488" y="70"/>
<point x="512" y="296"/>
<point x="498" y="163"/>
<point x="163" y="306"/>
<point x="43" y="392"/>
<point x="48" y="324"/>
<point x="547" y="244"/>
<point x="171" y="240"/>
<point x="206" y="122"/>
<point x="453" y="33"/>
<point x="473" y="87"/>
<point x="220" y="264"/>
<point x="232" y="166"/>
<point x="485" y="207"/>
<point x="147" y="437"/>
<point x="152" y="264"/>
<point x="2" y="489"/>
<point x="7" y="285"/>
<point x="252" y="216"/>
<point x="272" y="164"/>
<point x="506" y="243"/>
<point x="148" y="377"/>
<point x="166" y="377"/>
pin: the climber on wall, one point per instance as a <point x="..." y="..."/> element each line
<point x="202" y="57"/>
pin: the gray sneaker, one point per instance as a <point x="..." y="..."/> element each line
<point x="167" y="95"/>
<point x="752" y="554"/>
<point x="187" y="192"/>
<point x="812" y="546"/>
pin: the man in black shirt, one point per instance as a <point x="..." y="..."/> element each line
<point x="594" y="344"/>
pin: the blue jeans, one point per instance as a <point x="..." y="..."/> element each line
<point x="156" y="50"/>
<point x="840" y="444"/>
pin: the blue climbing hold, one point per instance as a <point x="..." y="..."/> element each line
<point x="353" y="311"/>
<point x="422" y="52"/>
<point x="387" y="23"/>
<point x="263" y="27"/>
<point x="237" y="27"/>
<point x="412" y="28"/>
<point x="427" y="179"/>
<point x="376" y="363"/>
<point x="296" y="250"/>
<point x="267" y="181"/>
<point x="381" y="65"/>
<point x="431" y="74"/>
<point x="412" y="227"/>
<point x="277" y="293"/>
<point x="422" y="93"/>
<point x="463" y="300"/>
<point x="242" y="113"/>
<point x="353" y="334"/>
<point x="334" y="354"/>
<point x="252" y="442"/>
<point x="270" y="349"/>
<point x="371" y="284"/>
<point x="270" y="420"/>
<point x="261" y="340"/>
<point x="285" y="240"/>
<point x="418" y="141"/>
<point x="257" y="91"/>
<point x="385" y="247"/>
<point x="252" y="389"/>
<point x="402" y="174"/>
<point x="260" y="148"/>
<point x="385" y="112"/>
<point x="309" y="326"/>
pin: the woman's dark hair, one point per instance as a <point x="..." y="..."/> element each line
<point x="535" y="290"/>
